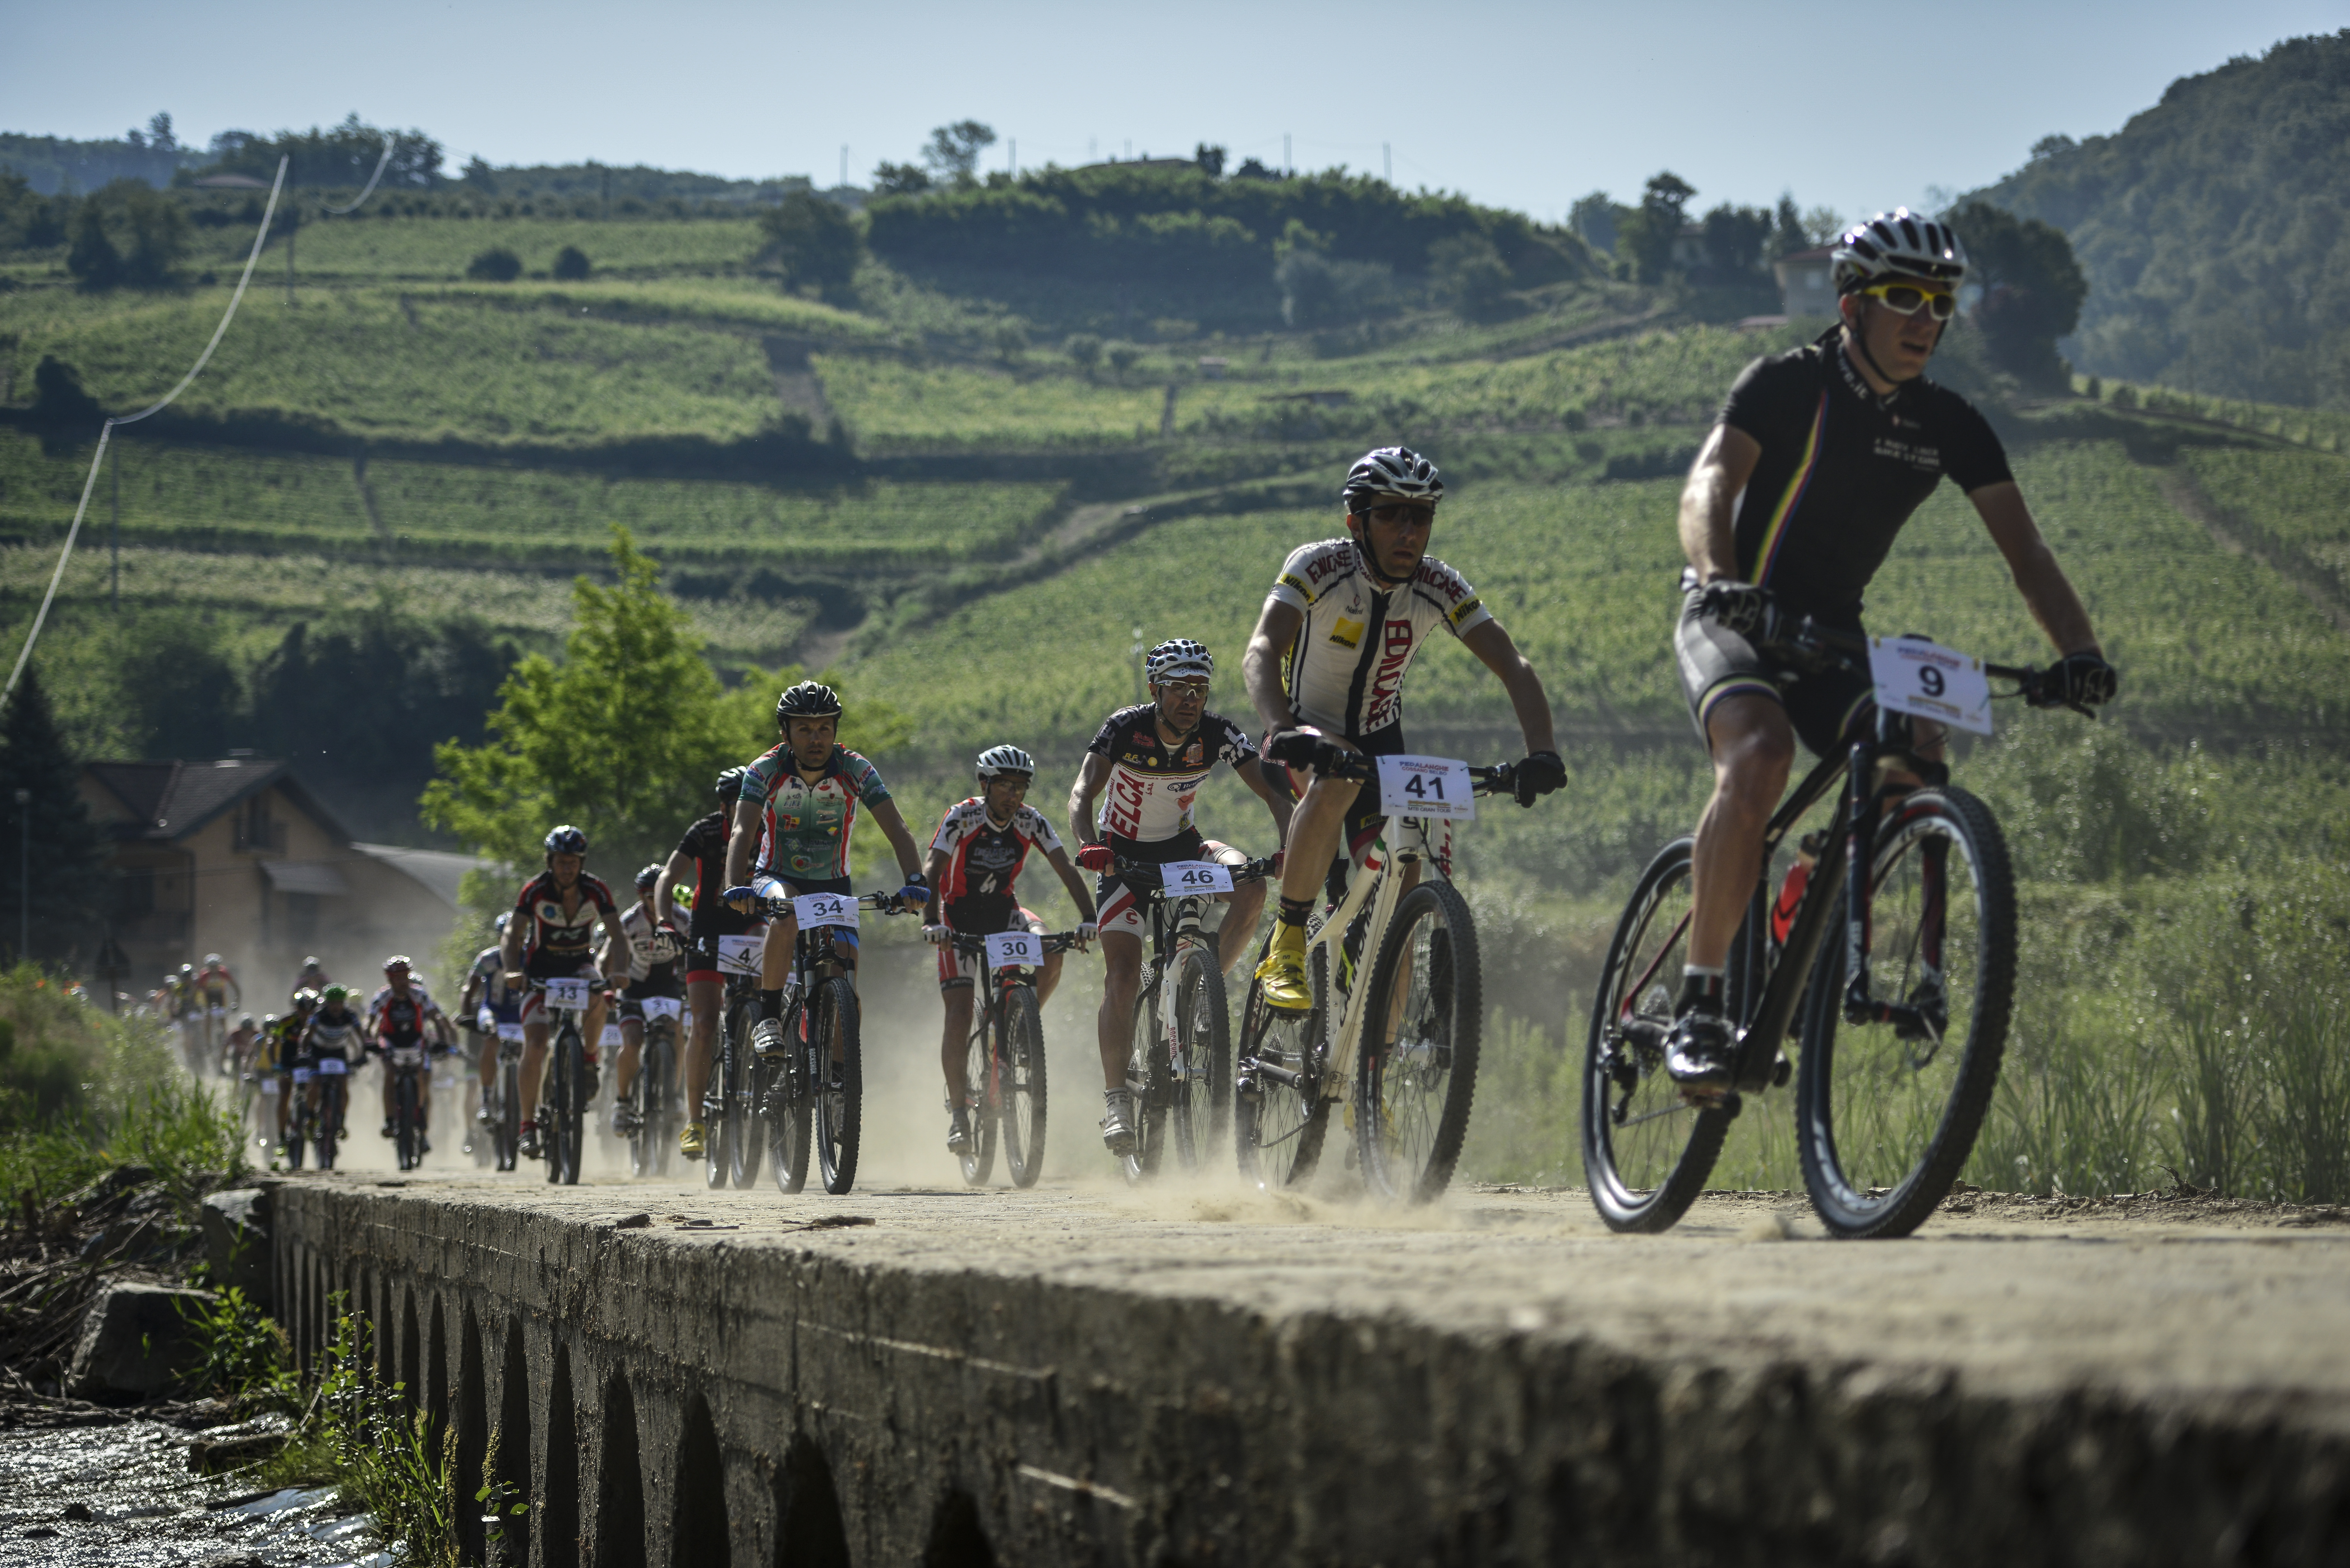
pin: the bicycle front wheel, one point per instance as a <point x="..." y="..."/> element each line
<point x="1646" y="1152"/>
<point x="841" y="1088"/>
<point x="734" y="1050"/>
<point x="1021" y="1054"/>
<point x="1199" y="1064"/>
<point x="983" y="1098"/>
<point x="1146" y="1083"/>
<point x="330" y="1120"/>
<point x="1886" y="1110"/>
<point x="1279" y="1114"/>
<point x="509" y="1121"/>
<point x="1419" y="1049"/>
<point x="570" y="1108"/>
<point x="404" y="1130"/>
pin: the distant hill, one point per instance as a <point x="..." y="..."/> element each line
<point x="2215" y="229"/>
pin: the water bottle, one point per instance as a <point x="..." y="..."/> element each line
<point x="1791" y="890"/>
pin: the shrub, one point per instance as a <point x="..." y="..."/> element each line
<point x="496" y="265"/>
<point x="1085" y="349"/>
<point x="571" y="263"/>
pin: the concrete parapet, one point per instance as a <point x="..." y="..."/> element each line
<point x="1025" y="1380"/>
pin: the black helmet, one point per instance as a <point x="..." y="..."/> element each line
<point x="567" y="840"/>
<point x="808" y="700"/>
<point x="729" y="785"/>
<point x="648" y="876"/>
<point x="1395" y="471"/>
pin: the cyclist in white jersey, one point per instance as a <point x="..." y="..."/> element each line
<point x="1327" y="662"/>
<point x="1145" y="765"/>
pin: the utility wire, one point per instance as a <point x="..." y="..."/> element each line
<point x="390" y="141"/>
<point x="106" y="431"/>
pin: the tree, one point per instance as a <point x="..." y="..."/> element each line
<point x="480" y="175"/>
<point x="570" y="264"/>
<point x="1597" y="219"/>
<point x="1211" y="160"/>
<point x="900" y="178"/>
<point x="1468" y="274"/>
<point x="93" y="260"/>
<point x="63" y="856"/>
<point x="953" y="151"/>
<point x="2032" y="291"/>
<point x="1787" y="235"/>
<point x="815" y="241"/>
<point x="623" y="737"/>
<point x="59" y="402"/>
<point x="1085" y="349"/>
<point x="496" y="265"/>
<point x="1121" y="358"/>
<point x="1734" y="238"/>
<point x="159" y="235"/>
<point x="1646" y="237"/>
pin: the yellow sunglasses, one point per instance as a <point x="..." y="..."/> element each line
<point x="1907" y="298"/>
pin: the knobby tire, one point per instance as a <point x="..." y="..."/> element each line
<point x="1414" y="1091"/>
<point x="1278" y="1128"/>
<point x="1022" y="1052"/>
<point x="839" y="1113"/>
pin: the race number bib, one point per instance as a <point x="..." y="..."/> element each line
<point x="1426" y="786"/>
<point x="571" y="996"/>
<point x="510" y="1032"/>
<point x="1007" y="950"/>
<point x="1914" y="676"/>
<point x="1182" y="879"/>
<point x="334" y="1066"/>
<point x="659" y="1007"/>
<point x="611" y="1036"/>
<point x="739" y="955"/>
<point x="825" y="910"/>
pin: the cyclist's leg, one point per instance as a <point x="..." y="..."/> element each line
<point x="1753" y="747"/>
<point x="1243" y="906"/>
<point x="705" y="998"/>
<point x="1121" y="974"/>
<point x="632" y="1039"/>
<point x="1048" y="973"/>
<point x="1316" y="831"/>
<point x="533" y="1055"/>
<point x="957" y="991"/>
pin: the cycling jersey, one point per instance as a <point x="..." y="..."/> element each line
<point x="397" y="1019"/>
<point x="806" y="827"/>
<point x="215" y="982"/>
<point x="504" y="1003"/>
<point x="1841" y="470"/>
<point x="649" y="975"/>
<point x="549" y="930"/>
<point x="330" y="1038"/>
<point x="1151" y="785"/>
<point x="983" y="861"/>
<point x="1346" y="670"/>
<point x="705" y="844"/>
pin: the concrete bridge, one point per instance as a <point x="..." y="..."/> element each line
<point x="1084" y="1375"/>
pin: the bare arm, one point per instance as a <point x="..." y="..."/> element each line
<point x="1493" y="647"/>
<point x="934" y="872"/>
<point x="1276" y="629"/>
<point x="744" y="845"/>
<point x="510" y="945"/>
<point x="1083" y="895"/>
<point x="1276" y="801"/>
<point x="893" y="828"/>
<point x="678" y="869"/>
<point x="1724" y="463"/>
<point x="2046" y="589"/>
<point x="1091" y="774"/>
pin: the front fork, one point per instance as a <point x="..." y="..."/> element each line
<point x="1861" y="1005"/>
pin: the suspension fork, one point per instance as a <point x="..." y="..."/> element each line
<point x="1860" y="832"/>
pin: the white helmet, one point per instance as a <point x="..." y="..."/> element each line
<point x="1391" y="471"/>
<point x="1005" y="760"/>
<point x="1898" y="243"/>
<point x="1178" y="659"/>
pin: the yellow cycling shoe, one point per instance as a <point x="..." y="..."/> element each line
<point x="689" y="1140"/>
<point x="1281" y="977"/>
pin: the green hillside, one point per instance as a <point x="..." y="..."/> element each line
<point x="956" y="497"/>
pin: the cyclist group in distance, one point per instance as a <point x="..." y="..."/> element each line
<point x="1817" y="459"/>
<point x="323" y="1034"/>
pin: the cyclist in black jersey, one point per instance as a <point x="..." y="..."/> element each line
<point x="549" y="939"/>
<point x="1327" y="662"/>
<point x="1815" y="462"/>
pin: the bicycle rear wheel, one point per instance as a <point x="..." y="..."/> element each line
<point x="1021" y="1054"/>
<point x="1200" y="1066"/>
<point x="570" y="1102"/>
<point x="733" y="1049"/>
<point x="509" y="1121"/>
<point x="404" y="1130"/>
<point x="329" y="1130"/>
<point x="1886" y="1112"/>
<point x="787" y="1114"/>
<point x="1279" y="1114"/>
<point x="839" y="1107"/>
<point x="982" y="1097"/>
<point x="1646" y="1152"/>
<point x="1421" y="1026"/>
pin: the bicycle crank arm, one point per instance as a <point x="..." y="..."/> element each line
<point x="1282" y="1075"/>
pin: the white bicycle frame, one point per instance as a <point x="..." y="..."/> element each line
<point x="1187" y="916"/>
<point x="1379" y="880"/>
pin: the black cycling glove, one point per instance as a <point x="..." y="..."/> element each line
<point x="1737" y="607"/>
<point x="1540" y="773"/>
<point x="2079" y="680"/>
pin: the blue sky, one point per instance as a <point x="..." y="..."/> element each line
<point x="1526" y="106"/>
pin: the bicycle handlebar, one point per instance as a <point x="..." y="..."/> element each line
<point x="776" y="908"/>
<point x="1332" y="761"/>
<point x="1804" y="643"/>
<point x="1247" y="871"/>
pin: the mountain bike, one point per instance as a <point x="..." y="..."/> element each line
<point x="1893" y="1084"/>
<point x="562" y="1094"/>
<point x="729" y="1101"/>
<point x="1004" y="1075"/>
<point x="322" y="1124"/>
<point x="1400" y="1053"/>
<point x="1179" y="1068"/>
<point x="409" y="1070"/>
<point x="813" y="1095"/>
<point x="652" y="1099"/>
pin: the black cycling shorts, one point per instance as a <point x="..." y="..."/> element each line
<point x="1364" y="817"/>
<point x="1827" y="707"/>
